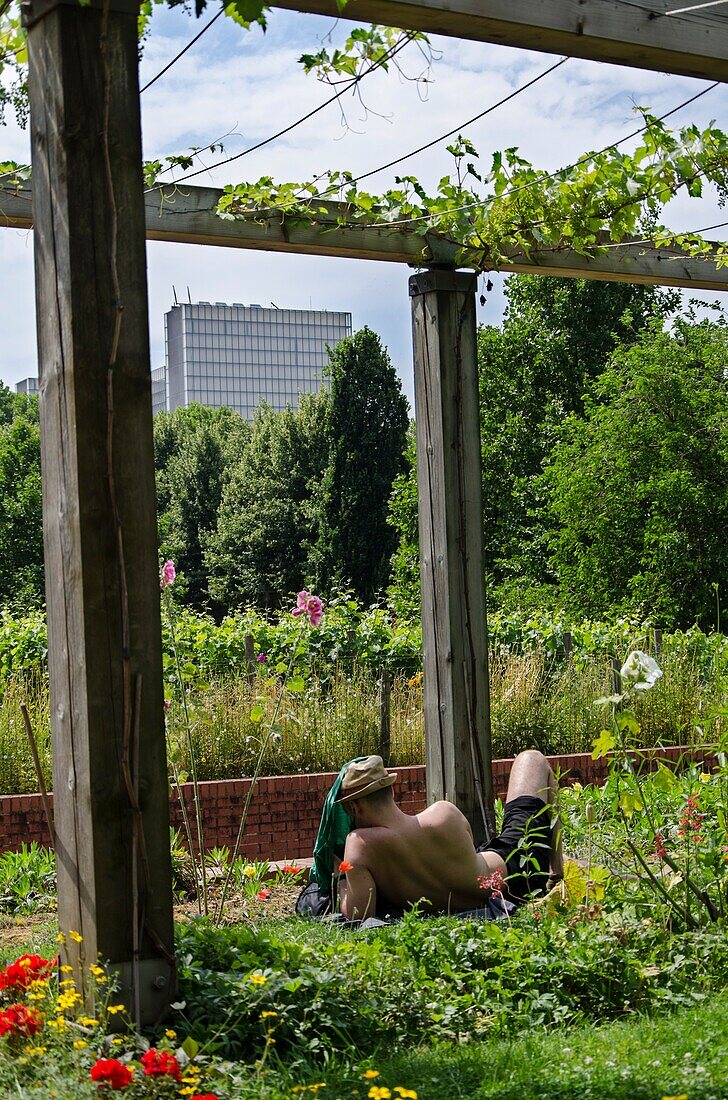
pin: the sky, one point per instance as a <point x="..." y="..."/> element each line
<point x="239" y="87"/>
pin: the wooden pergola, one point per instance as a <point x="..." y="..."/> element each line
<point x="88" y="209"/>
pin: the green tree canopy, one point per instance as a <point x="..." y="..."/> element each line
<point x="195" y="449"/>
<point x="259" y="552"/>
<point x="21" y="517"/>
<point x="639" y="487"/>
<point x="366" y="430"/>
<point x="556" y="337"/>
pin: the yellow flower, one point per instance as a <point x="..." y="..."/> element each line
<point x="113" y="1009"/>
<point x="95" y="970"/>
<point x="117" y="1041"/>
<point x="67" y="981"/>
<point x="379" y="1093"/>
<point x="170" y="1034"/>
<point x="66" y="969"/>
<point x="187" y="1091"/>
<point x="267" y="1015"/>
<point x="406" y="1094"/>
<point x="370" y="1074"/>
<point x="76" y="936"/>
<point x="87" y="1021"/>
<point x="80" y="1044"/>
<point x="577" y="788"/>
<point x="704" y="777"/>
<point x="35" y="1052"/>
<point x="682" y="1096"/>
<point x="249" y="870"/>
<point x="59" y="1023"/>
<point x="60" y="938"/>
<point x="319" y="1085"/>
<point x="258" y="979"/>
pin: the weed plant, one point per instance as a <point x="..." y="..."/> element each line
<point x="537" y="701"/>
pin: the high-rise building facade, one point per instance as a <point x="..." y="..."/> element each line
<point x="28" y="385"/>
<point x="239" y="355"/>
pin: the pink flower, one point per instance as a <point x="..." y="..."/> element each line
<point x="261" y="658"/>
<point x="167" y="574"/>
<point x="306" y="604"/>
<point x="167" y="704"/>
<point x="495" y="883"/>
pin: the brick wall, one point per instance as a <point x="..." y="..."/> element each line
<point x="284" y="810"/>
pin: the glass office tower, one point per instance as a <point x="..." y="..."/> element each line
<point x="238" y="355"/>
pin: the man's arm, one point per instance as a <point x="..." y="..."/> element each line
<point x="358" y="894"/>
<point x="358" y="890"/>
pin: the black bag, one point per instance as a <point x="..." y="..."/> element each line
<point x="312" y="902"/>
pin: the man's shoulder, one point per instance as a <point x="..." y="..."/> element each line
<point x="441" y="811"/>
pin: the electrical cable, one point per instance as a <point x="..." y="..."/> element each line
<point x="457" y="129"/>
<point x="304" y="118"/>
<point x="182" y="52"/>
<point x="696" y="7"/>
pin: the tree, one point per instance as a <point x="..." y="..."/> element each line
<point x="639" y="488"/>
<point x="259" y="552"/>
<point x="366" y="430"/>
<point x="404" y="590"/>
<point x="556" y="338"/>
<point x="195" y="450"/>
<point x="21" y="518"/>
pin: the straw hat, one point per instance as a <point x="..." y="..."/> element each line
<point x="364" y="778"/>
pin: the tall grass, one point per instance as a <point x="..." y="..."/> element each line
<point x="536" y="702"/>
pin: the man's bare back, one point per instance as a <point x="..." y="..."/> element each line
<point x="428" y="858"/>
<point x="394" y="859"/>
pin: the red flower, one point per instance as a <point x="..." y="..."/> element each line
<point x="206" y="1096"/>
<point x="264" y="894"/>
<point x="345" y="867"/>
<point x="111" y="1072"/>
<point x="691" y="821"/>
<point x="660" y="849"/>
<point x="158" y="1063"/>
<point x="24" y="971"/>
<point x="19" y="1020"/>
<point x="291" y="869"/>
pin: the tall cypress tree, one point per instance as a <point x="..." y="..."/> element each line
<point x="366" y="428"/>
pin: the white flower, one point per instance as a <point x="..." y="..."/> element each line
<point x="641" y="670"/>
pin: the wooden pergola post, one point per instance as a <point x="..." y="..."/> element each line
<point x="455" y="638"/>
<point x="99" y="520"/>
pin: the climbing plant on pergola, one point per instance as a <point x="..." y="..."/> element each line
<point x="88" y="210"/>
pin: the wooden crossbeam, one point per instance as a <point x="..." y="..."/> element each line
<point x="187" y="217"/>
<point x="641" y="34"/>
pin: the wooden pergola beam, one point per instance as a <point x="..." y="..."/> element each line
<point x="187" y="217"/>
<point x="640" y="35"/>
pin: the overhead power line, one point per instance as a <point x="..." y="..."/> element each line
<point x="392" y="52"/>
<point x="696" y="7"/>
<point x="182" y="52"/>
<point x="457" y="129"/>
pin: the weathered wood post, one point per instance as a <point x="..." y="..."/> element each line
<point x="99" y="523"/>
<point x="456" y="701"/>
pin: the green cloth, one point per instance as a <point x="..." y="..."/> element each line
<point x="332" y="833"/>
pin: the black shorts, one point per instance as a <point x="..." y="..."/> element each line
<point x="524" y="843"/>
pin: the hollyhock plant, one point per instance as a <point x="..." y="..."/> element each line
<point x="167" y="574"/>
<point x="640" y="670"/>
<point x="112" y="1073"/>
<point x="309" y="605"/>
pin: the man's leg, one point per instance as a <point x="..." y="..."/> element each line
<point x="531" y="774"/>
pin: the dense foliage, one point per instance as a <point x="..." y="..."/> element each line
<point x="365" y="426"/>
<point x="21" y="525"/>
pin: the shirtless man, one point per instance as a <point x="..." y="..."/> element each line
<point x="397" y="860"/>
